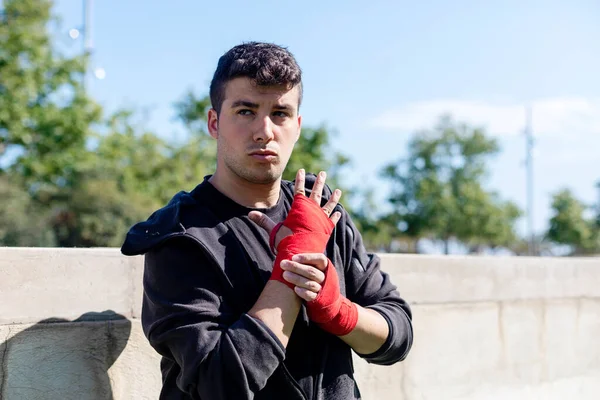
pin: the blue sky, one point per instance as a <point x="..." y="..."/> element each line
<point x="378" y="71"/>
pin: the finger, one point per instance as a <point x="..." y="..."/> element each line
<point x="336" y="217"/>
<point x="317" y="260"/>
<point x="300" y="178"/>
<point x="305" y="294"/>
<point x="333" y="201"/>
<point x="262" y="220"/>
<point x="301" y="281"/>
<point x="317" y="191"/>
<point x="307" y="271"/>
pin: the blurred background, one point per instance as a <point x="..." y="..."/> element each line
<point x="452" y="127"/>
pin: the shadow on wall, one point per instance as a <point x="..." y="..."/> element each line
<point x="61" y="359"/>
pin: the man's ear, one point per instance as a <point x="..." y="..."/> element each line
<point x="213" y="123"/>
<point x="299" y="128"/>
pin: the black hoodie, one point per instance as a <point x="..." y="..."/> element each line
<point x="206" y="264"/>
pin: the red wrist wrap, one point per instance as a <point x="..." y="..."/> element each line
<point x="333" y="312"/>
<point x="311" y="231"/>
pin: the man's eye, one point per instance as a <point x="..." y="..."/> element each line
<point x="245" y="112"/>
<point x="280" y="114"/>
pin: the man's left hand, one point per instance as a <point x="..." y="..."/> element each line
<point x="306" y="271"/>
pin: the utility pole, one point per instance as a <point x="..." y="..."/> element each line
<point x="84" y="33"/>
<point x="529" y="143"/>
<point x="598" y="204"/>
<point x="87" y="38"/>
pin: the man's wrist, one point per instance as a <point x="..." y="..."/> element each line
<point x="345" y="321"/>
<point x="277" y="307"/>
<point x="333" y="312"/>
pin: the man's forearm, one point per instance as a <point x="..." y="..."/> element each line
<point x="277" y="307"/>
<point x="370" y="333"/>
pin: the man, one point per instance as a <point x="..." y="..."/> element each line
<point x="254" y="287"/>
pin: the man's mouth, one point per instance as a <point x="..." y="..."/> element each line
<point x="264" y="155"/>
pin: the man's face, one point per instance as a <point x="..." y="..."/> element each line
<point x="255" y="131"/>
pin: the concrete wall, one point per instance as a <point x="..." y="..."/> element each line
<point x="485" y="328"/>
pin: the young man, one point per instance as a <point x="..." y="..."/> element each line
<point x="254" y="287"/>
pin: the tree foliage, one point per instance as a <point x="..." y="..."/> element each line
<point x="379" y="232"/>
<point x="131" y="172"/>
<point x="570" y="226"/>
<point x="438" y="189"/>
<point x="45" y="115"/>
<point x="22" y="223"/>
<point x="314" y="153"/>
<point x="72" y="176"/>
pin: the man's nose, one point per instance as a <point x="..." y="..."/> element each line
<point x="264" y="131"/>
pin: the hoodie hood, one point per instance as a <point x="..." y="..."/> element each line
<point x="161" y="225"/>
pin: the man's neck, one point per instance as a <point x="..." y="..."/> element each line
<point x="247" y="194"/>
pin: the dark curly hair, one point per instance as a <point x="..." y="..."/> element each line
<point x="265" y="63"/>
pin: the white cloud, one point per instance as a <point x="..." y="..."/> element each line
<point x="552" y="117"/>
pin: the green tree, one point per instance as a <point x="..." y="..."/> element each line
<point x="598" y="208"/>
<point x="541" y="246"/>
<point x="496" y="224"/>
<point x="45" y="115"/>
<point x="569" y="225"/>
<point x="379" y="233"/>
<point x="142" y="162"/>
<point x="130" y="173"/>
<point x="438" y="189"/>
<point x="97" y="214"/>
<point x="45" y="121"/>
<point x="314" y="153"/>
<point x="120" y="184"/>
<point x="196" y="156"/>
<point x="22" y="222"/>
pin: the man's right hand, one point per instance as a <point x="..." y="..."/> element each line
<point x="314" y="279"/>
<point x="310" y="225"/>
<point x="278" y="306"/>
<point x="316" y="194"/>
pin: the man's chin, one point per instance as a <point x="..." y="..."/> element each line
<point x="262" y="177"/>
<point x="265" y="179"/>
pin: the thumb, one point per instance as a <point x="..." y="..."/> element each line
<point x="262" y="220"/>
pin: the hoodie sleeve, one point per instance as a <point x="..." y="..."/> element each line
<point x="370" y="287"/>
<point x="186" y="319"/>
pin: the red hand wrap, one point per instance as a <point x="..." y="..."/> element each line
<point x="332" y="311"/>
<point x="311" y="231"/>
